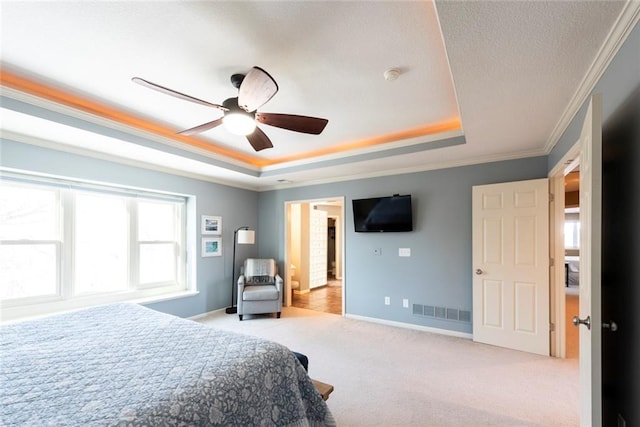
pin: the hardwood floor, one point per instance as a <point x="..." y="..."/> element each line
<point x="572" y="336"/>
<point x="327" y="299"/>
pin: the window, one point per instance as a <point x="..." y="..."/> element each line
<point x="101" y="243"/>
<point x="30" y="241"/>
<point x="64" y="242"/>
<point x="572" y="228"/>
<point x="158" y="226"/>
<point x="572" y="234"/>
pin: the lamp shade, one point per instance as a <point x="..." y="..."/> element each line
<point x="246" y="237"/>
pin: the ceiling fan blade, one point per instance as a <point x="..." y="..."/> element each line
<point x="172" y="92"/>
<point x="202" y="128"/>
<point x="256" y="89"/>
<point x="258" y="140"/>
<point x="304" y="124"/>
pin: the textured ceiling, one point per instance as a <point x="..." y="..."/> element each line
<point x="479" y="80"/>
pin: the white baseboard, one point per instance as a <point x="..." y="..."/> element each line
<point x="440" y="331"/>
<point x="200" y="316"/>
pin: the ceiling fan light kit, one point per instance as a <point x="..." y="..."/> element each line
<point x="239" y="124"/>
<point x="236" y="120"/>
<point x="255" y="89"/>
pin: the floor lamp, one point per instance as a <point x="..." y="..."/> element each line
<point x="242" y="236"/>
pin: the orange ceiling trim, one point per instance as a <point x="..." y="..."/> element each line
<point x="445" y="126"/>
<point x="40" y="90"/>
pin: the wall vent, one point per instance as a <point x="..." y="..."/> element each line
<point x="444" y="313"/>
<point x="452" y="314"/>
<point x="430" y="311"/>
<point x="417" y="309"/>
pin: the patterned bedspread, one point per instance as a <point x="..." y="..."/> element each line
<point x="126" y="365"/>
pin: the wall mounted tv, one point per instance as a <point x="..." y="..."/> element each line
<point x="383" y="214"/>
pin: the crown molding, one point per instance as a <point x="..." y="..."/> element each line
<point x="96" y="122"/>
<point x="623" y="26"/>
<point x="85" y="152"/>
<point x="402" y="171"/>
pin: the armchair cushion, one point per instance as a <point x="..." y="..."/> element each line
<point x="260" y="293"/>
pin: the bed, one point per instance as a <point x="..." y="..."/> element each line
<point x="572" y="271"/>
<point x="127" y="365"/>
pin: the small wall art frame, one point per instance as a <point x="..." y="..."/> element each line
<point x="211" y="224"/>
<point x="211" y="246"/>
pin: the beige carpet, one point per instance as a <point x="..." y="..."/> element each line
<point x="388" y="376"/>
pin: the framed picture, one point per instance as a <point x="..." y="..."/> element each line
<point x="211" y="246"/>
<point x="211" y="224"/>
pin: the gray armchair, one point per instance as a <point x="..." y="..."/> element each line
<point x="259" y="288"/>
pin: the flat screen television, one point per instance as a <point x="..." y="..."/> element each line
<point x="383" y="214"/>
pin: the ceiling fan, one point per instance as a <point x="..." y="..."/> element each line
<point x="255" y="89"/>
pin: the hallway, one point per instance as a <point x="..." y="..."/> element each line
<point x="571" y="309"/>
<point x="327" y="299"/>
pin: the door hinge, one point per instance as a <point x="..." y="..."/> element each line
<point x="551" y="262"/>
<point x="552" y="327"/>
<point x="551" y="197"/>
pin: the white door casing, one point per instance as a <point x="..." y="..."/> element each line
<point x="590" y="264"/>
<point x="511" y="265"/>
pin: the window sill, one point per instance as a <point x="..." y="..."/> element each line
<point x="165" y="297"/>
<point x="32" y="311"/>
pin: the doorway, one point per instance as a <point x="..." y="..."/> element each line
<point x="571" y="260"/>
<point x="314" y="254"/>
<point x="564" y="218"/>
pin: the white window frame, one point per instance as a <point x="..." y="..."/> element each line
<point x="65" y="299"/>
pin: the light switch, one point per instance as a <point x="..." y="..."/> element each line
<point x="404" y="252"/>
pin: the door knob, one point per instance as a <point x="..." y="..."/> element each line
<point x="611" y="325"/>
<point x="478" y="272"/>
<point x="586" y="322"/>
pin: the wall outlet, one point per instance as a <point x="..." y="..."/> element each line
<point x="387" y="300"/>
<point x="404" y="252"/>
<point x="405" y="303"/>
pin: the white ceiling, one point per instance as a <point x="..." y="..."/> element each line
<point x="509" y="71"/>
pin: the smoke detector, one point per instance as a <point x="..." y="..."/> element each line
<point x="391" y="74"/>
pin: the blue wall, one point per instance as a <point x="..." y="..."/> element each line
<point x="439" y="269"/>
<point x="236" y="207"/>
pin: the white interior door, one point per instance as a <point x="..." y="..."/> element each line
<point x="511" y="265"/>
<point x="590" y="264"/>
<point x="317" y="248"/>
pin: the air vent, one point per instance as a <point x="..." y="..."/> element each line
<point x="443" y="313"/>
<point x="430" y="311"/>
<point x="417" y="309"/>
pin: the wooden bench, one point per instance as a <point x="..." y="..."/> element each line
<point x="323" y="388"/>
